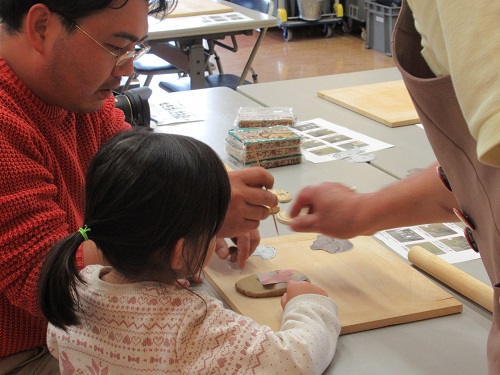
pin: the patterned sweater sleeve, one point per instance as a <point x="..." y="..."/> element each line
<point x="233" y="343"/>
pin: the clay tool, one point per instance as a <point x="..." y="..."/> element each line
<point x="258" y="164"/>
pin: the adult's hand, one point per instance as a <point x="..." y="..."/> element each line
<point x="332" y="209"/>
<point x="337" y="211"/>
<point x="245" y="245"/>
<point x="248" y="201"/>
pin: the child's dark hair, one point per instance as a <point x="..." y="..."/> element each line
<point x="144" y="192"/>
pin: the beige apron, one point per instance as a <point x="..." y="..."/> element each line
<point x="475" y="185"/>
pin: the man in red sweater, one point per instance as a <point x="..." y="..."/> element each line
<point x="59" y="61"/>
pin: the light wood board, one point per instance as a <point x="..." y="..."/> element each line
<point x="372" y="286"/>
<point x="187" y="8"/>
<point x="386" y="102"/>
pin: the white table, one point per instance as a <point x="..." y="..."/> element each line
<point x="450" y="345"/>
<point x="218" y="108"/>
<point x="190" y="33"/>
<point x="412" y="149"/>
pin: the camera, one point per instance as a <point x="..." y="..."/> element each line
<point x="134" y="103"/>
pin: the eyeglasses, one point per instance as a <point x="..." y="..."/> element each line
<point x="134" y="54"/>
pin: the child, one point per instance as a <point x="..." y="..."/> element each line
<point x="154" y="204"/>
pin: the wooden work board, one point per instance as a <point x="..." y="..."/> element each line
<point x="386" y="102"/>
<point x="187" y="8"/>
<point x="372" y="286"/>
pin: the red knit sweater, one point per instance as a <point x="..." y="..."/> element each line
<point x="44" y="154"/>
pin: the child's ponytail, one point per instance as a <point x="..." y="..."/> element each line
<point x="58" y="280"/>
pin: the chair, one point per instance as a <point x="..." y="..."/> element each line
<point x="151" y="65"/>
<point x="222" y="79"/>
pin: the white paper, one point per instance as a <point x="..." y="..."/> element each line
<point x="446" y="240"/>
<point x="169" y="111"/>
<point x="324" y="141"/>
<point x="193" y="22"/>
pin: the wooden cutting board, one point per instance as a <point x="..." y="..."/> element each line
<point x="372" y="286"/>
<point x="186" y="8"/>
<point x="386" y="102"/>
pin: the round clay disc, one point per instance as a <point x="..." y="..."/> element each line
<point x="250" y="286"/>
<point x="283" y="195"/>
<point x="284" y="217"/>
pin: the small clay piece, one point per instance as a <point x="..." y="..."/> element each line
<point x="251" y="286"/>
<point x="265" y="252"/>
<point x="283" y="195"/>
<point x="284" y="217"/>
<point x="280" y="276"/>
<point x="331" y="245"/>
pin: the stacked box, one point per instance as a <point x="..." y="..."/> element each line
<point x="355" y="10"/>
<point x="256" y="117"/>
<point x="380" y="21"/>
<point x="271" y="147"/>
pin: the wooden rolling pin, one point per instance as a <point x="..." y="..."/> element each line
<point x="453" y="277"/>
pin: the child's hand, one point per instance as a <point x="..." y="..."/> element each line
<point x="186" y="283"/>
<point x="296" y="288"/>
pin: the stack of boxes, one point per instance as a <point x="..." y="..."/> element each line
<point x="259" y="141"/>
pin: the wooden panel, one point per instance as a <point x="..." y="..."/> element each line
<point x="387" y="102"/>
<point x="372" y="286"/>
<point x="186" y="8"/>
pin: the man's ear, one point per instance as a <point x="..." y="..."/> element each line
<point x="176" y="260"/>
<point x="37" y="22"/>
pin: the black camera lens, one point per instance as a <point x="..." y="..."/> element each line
<point x="134" y="103"/>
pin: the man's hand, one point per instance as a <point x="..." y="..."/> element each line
<point x="248" y="201"/>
